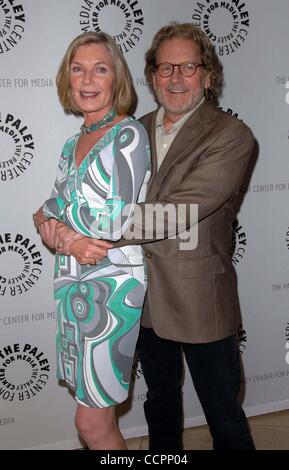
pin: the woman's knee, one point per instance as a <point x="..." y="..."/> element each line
<point x="94" y="422"/>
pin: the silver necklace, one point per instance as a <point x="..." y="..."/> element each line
<point x="108" y="118"/>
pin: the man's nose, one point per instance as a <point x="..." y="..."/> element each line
<point x="176" y="75"/>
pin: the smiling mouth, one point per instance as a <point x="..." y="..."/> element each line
<point x="177" y="91"/>
<point x="89" y="94"/>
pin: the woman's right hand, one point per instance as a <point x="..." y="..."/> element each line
<point x="58" y="236"/>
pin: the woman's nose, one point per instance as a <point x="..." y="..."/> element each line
<point x="87" y="76"/>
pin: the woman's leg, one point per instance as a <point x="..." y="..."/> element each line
<point x="98" y="428"/>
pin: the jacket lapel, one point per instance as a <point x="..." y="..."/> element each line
<point x="182" y="145"/>
<point x="153" y="149"/>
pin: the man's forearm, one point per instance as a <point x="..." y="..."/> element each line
<point x="158" y="221"/>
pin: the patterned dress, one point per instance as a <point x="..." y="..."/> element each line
<point x="99" y="307"/>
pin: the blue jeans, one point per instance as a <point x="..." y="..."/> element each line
<point x="215" y="371"/>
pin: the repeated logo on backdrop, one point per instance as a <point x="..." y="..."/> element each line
<point x="242" y="339"/>
<point x="24" y="371"/>
<point x="230" y="112"/>
<point x="226" y="23"/>
<point x="287" y="92"/>
<point x="239" y="243"/>
<point x="20" y="264"/>
<point x="287" y="238"/>
<point x="17" y="147"/>
<point x="11" y="24"/>
<point x="122" y="19"/>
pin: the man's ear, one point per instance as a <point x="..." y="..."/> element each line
<point x="154" y="80"/>
<point x="208" y="80"/>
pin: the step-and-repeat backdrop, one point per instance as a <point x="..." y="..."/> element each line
<point x="252" y="40"/>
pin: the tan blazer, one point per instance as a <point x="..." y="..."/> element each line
<point x="192" y="295"/>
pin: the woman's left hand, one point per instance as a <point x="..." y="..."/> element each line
<point x="64" y="237"/>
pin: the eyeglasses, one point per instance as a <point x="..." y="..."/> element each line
<point x="187" y="69"/>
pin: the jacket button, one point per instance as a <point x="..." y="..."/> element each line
<point x="148" y="255"/>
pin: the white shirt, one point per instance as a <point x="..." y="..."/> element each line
<point x="163" y="139"/>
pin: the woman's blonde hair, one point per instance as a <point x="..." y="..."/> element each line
<point x="124" y="96"/>
<point x="207" y="51"/>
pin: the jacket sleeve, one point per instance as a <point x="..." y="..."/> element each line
<point x="214" y="179"/>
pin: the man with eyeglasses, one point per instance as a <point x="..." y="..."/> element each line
<point x="199" y="156"/>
